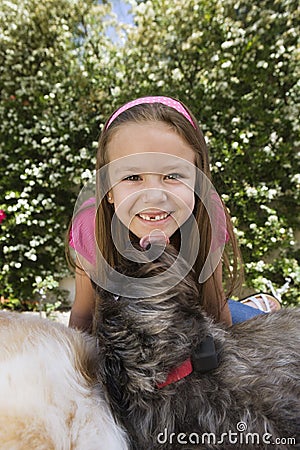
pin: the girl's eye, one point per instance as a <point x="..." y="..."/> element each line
<point x="173" y="176"/>
<point x="132" y="178"/>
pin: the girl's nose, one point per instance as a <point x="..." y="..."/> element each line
<point x="154" y="195"/>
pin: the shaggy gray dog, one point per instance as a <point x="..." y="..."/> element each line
<point x="244" y="388"/>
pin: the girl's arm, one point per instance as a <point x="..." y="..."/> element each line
<point x="84" y="303"/>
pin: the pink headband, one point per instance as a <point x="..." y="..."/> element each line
<point x="164" y="100"/>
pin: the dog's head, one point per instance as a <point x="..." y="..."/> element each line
<point x="142" y="338"/>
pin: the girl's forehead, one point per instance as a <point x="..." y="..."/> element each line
<point x="148" y="137"/>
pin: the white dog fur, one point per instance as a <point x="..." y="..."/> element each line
<point x="48" y="400"/>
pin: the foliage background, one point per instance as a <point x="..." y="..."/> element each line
<point x="234" y="63"/>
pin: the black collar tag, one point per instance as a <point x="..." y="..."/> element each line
<point x="204" y="357"/>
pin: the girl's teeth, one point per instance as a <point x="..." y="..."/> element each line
<point x="153" y="218"/>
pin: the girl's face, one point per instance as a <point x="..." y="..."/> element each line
<point x="152" y="173"/>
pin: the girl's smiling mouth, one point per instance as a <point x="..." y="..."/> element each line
<point x="154" y="216"/>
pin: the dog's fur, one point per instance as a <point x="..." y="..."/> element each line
<point x="257" y="381"/>
<point x="48" y="399"/>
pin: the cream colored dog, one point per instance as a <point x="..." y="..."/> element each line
<point x="48" y="400"/>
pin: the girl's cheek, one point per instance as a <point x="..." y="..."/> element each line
<point x="123" y="206"/>
<point x="188" y="199"/>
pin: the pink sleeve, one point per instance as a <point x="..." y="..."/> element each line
<point x="221" y="234"/>
<point x="82" y="233"/>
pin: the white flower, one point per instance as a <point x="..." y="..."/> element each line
<point x="267" y="149"/>
<point x="87" y="174"/>
<point x="34" y="243"/>
<point x="226" y="64"/>
<point x="177" y="74"/>
<point x="296" y="179"/>
<point x="251" y="191"/>
<point x="227" y="44"/>
<point x="272" y="193"/>
<point x="260" y="265"/>
<point x="30" y="255"/>
<point x="115" y="91"/>
<point x="215" y="58"/>
<point x="262" y="64"/>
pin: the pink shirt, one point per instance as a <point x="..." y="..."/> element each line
<point x="82" y="233"/>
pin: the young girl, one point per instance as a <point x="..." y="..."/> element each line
<point x="153" y="174"/>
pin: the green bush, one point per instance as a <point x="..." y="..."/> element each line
<point x="234" y="64"/>
<point x="48" y="126"/>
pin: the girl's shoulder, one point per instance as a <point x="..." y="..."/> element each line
<point x="82" y="232"/>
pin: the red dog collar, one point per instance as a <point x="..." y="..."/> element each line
<point x="204" y="359"/>
<point x="178" y="373"/>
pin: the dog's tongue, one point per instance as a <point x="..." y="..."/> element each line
<point x="155" y="237"/>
